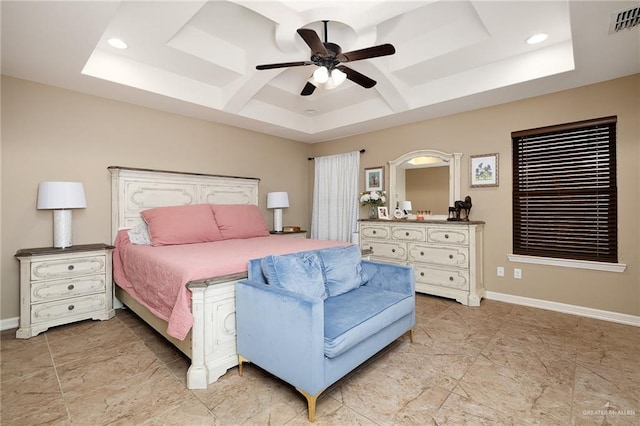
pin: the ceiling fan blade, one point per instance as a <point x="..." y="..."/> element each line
<point x="313" y="41"/>
<point x="308" y="89"/>
<point x="369" y="52"/>
<point x="357" y="78"/>
<point x="283" y="65"/>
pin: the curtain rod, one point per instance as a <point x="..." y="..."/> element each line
<point x="362" y="151"/>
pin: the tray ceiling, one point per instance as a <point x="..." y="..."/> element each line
<point x="198" y="58"/>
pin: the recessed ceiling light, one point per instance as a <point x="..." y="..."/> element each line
<point x="117" y="43"/>
<point x="537" y="38"/>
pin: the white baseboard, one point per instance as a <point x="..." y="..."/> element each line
<point x="565" y="308"/>
<point x="9" y="323"/>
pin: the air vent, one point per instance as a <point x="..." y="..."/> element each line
<point x="624" y="19"/>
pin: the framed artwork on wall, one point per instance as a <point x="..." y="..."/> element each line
<point x="373" y="179"/>
<point x="483" y="170"/>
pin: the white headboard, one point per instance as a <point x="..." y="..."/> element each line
<point x="134" y="190"/>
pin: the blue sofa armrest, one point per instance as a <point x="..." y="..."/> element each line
<point x="387" y="276"/>
<point x="282" y="332"/>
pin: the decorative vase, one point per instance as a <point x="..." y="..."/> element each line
<point x="373" y="212"/>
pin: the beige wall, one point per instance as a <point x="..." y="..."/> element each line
<point x="55" y="134"/>
<point x="489" y="130"/>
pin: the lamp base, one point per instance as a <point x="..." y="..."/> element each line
<point x="62" y="228"/>
<point x="277" y="220"/>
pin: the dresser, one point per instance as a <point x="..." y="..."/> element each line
<point x="446" y="256"/>
<point x="59" y="286"/>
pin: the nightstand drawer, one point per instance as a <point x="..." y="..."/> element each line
<point x="43" y="291"/>
<point x="51" y="311"/>
<point x="69" y="267"/>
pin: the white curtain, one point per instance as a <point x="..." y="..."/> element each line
<point x="336" y="197"/>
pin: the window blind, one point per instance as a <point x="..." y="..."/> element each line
<point x="564" y="191"/>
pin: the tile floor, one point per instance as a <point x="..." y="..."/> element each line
<point x="496" y="364"/>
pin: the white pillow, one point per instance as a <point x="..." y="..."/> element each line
<point x="139" y="234"/>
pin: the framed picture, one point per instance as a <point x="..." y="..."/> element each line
<point x="373" y="179"/>
<point x="483" y="170"/>
<point x="383" y="213"/>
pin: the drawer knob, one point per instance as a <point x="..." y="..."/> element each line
<point x="446" y="236"/>
<point x="406" y="233"/>
<point x="450" y="278"/>
<point x="71" y="307"/>
<point x="421" y="253"/>
<point x="374" y="232"/>
<point x="393" y="250"/>
<point x="370" y="248"/>
<point x="450" y="256"/>
<point x="422" y="274"/>
<point x="70" y="267"/>
<point x="71" y="287"/>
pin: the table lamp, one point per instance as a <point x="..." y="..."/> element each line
<point x="61" y="197"/>
<point x="406" y="207"/>
<point x="277" y="201"/>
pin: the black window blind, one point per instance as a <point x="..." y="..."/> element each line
<point x="564" y="191"/>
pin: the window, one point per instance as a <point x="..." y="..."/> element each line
<point x="564" y="191"/>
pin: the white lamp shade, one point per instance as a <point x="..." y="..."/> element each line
<point x="277" y="200"/>
<point x="61" y="195"/>
<point x="406" y="206"/>
<point x="321" y="75"/>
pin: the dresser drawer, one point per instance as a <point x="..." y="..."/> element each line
<point x="448" y="235"/>
<point x="69" y="267"/>
<point x="388" y="249"/>
<point x="51" y="311"/>
<point x="441" y="255"/>
<point x="375" y="231"/>
<point x="451" y="278"/>
<point x="43" y="291"/>
<point x="408" y="233"/>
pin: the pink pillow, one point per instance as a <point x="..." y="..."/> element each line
<point x="240" y="221"/>
<point x="181" y="225"/>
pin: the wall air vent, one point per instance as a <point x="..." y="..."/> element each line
<point x="624" y="19"/>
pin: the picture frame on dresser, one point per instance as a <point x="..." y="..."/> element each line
<point x="374" y="178"/>
<point x="484" y="170"/>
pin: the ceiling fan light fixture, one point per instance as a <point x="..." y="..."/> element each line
<point x="321" y="75"/>
<point x="338" y="77"/>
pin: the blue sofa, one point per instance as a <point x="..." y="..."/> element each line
<point x="334" y="313"/>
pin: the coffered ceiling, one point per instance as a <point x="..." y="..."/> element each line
<point x="198" y="58"/>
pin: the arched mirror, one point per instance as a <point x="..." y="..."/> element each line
<point x="429" y="179"/>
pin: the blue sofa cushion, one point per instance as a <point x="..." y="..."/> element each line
<point x="359" y="314"/>
<point x="301" y="273"/>
<point x="342" y="268"/>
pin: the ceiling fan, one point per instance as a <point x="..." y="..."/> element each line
<point x="329" y="58"/>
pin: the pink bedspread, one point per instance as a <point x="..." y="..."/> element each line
<point x="157" y="276"/>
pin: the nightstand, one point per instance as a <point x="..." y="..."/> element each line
<point x="59" y="286"/>
<point x="292" y="234"/>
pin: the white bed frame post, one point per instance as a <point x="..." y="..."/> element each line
<point x="198" y="375"/>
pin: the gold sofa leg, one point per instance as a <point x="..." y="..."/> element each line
<point x="311" y="404"/>
<point x="411" y="335"/>
<point x="241" y="359"/>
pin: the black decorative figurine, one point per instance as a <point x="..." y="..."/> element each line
<point x="460" y="206"/>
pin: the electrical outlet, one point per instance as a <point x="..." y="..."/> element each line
<point x="500" y="271"/>
<point x="517" y="273"/>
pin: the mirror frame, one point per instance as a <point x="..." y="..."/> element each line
<point x="453" y="160"/>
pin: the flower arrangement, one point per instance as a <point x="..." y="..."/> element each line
<point x="373" y="198"/>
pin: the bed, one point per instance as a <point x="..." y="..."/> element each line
<point x="206" y="288"/>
